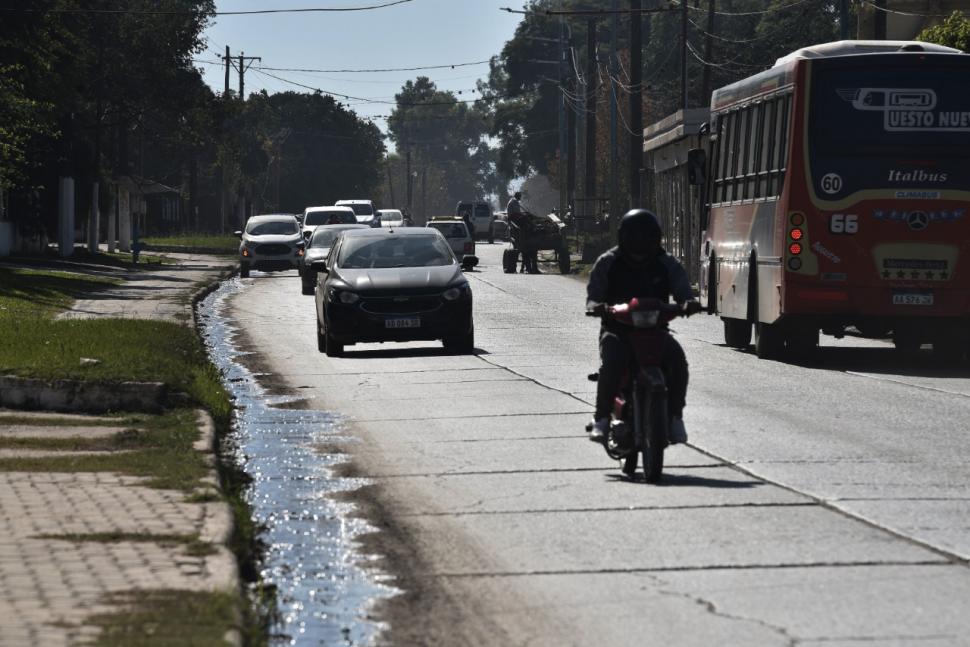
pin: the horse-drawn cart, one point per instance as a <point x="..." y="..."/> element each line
<point x="534" y="233"/>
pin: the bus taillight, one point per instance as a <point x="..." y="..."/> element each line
<point x="795" y="249"/>
<point x="797" y="218"/>
<point x="796" y="234"/>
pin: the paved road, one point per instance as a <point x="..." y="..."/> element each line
<point x="823" y="504"/>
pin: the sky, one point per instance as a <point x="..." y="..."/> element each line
<point x="414" y="34"/>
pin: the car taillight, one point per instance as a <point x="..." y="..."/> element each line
<point x="469" y="248"/>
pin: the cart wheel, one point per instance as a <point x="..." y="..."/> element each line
<point x="563" y="255"/>
<point x="510" y="258"/>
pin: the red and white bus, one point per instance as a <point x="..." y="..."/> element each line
<point x="839" y="193"/>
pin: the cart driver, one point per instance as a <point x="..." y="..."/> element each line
<point x="520" y="218"/>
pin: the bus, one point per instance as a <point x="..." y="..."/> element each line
<point x="838" y="192"/>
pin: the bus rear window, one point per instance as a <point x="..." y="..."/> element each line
<point x="891" y="109"/>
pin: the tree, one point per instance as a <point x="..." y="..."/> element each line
<point x="952" y="32"/>
<point x="446" y="139"/>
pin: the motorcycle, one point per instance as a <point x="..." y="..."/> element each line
<point x="639" y="421"/>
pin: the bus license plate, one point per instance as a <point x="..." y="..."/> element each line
<point x="403" y="322"/>
<point x="912" y="299"/>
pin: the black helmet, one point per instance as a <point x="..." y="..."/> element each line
<point x="638" y="229"/>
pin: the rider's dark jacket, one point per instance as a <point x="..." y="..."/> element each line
<point x="613" y="281"/>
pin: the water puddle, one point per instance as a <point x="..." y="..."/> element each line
<point x="324" y="586"/>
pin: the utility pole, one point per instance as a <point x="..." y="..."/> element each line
<point x="683" y="55"/>
<point x="843" y="20"/>
<point x="590" y="185"/>
<point x="709" y="54"/>
<point x="571" y="141"/>
<point x="879" y="20"/>
<point x="228" y="60"/>
<point x="242" y="67"/>
<point x="636" y="100"/>
<point x="564" y="197"/>
<point x="614" y="146"/>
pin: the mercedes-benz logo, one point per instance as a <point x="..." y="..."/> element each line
<point x="917" y="220"/>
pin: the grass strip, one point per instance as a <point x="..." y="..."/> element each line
<point x="102" y="420"/>
<point x="30" y="293"/>
<point x="194" y="547"/>
<point x="166" y="618"/>
<point x="162" y="452"/>
<point x="228" y="243"/>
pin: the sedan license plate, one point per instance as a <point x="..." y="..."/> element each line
<point x="403" y="322"/>
<point x="913" y="299"/>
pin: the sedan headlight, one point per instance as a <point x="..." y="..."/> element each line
<point x="343" y="296"/>
<point x="455" y="293"/>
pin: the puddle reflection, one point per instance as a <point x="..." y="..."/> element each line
<point x="324" y="592"/>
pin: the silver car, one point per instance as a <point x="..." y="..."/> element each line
<point x="318" y="248"/>
<point x="268" y="243"/>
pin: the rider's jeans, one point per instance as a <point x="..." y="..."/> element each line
<point x="616" y="354"/>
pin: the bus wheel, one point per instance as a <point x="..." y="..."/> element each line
<point x="737" y="332"/>
<point x="769" y="341"/>
<point x="905" y="342"/>
<point x="949" y="348"/>
<point x="802" y="343"/>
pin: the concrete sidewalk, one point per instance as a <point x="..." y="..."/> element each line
<point x="73" y="543"/>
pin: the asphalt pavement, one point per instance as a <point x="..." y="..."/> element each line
<point x="815" y="504"/>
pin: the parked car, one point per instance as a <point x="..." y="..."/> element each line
<point x="456" y="233"/>
<point x="500" y="228"/>
<point x="382" y="285"/>
<point x="363" y="209"/>
<point x="391" y="218"/>
<point x="268" y="243"/>
<point x="317" y="249"/>
<point x="480" y="217"/>
<point x="313" y="217"/>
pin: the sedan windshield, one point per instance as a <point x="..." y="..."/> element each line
<point x="405" y="251"/>
<point x="272" y="228"/>
<point x="324" y="236"/>
<point x="335" y="217"/>
<point x="450" y="229"/>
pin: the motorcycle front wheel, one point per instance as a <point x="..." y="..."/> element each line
<point x="652" y="414"/>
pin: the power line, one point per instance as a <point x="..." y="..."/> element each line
<point x="748" y="13"/>
<point x="214" y="13"/>
<point x="365" y="100"/>
<point x="906" y="13"/>
<point x="387" y="69"/>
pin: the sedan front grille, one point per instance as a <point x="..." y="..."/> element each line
<point x="273" y="249"/>
<point x="400" y="305"/>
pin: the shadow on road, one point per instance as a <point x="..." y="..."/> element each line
<point x="688" y="480"/>
<point x="882" y="361"/>
<point x="394" y="353"/>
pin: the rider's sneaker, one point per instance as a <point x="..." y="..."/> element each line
<point x="677" y="433"/>
<point x="599" y="431"/>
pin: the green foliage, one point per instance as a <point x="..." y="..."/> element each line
<point x="522" y="93"/>
<point x="164" y="618"/>
<point x="952" y="32"/>
<point x="446" y="137"/>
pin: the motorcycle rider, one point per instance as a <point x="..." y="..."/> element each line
<point x="638" y="267"/>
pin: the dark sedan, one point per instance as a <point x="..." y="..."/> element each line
<point x="317" y="249"/>
<point x="382" y="285"/>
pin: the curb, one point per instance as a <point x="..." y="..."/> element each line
<point x="81" y="396"/>
<point x="178" y="249"/>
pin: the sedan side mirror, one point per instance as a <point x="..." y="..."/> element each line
<point x="319" y="266"/>
<point x="468" y="262"/>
